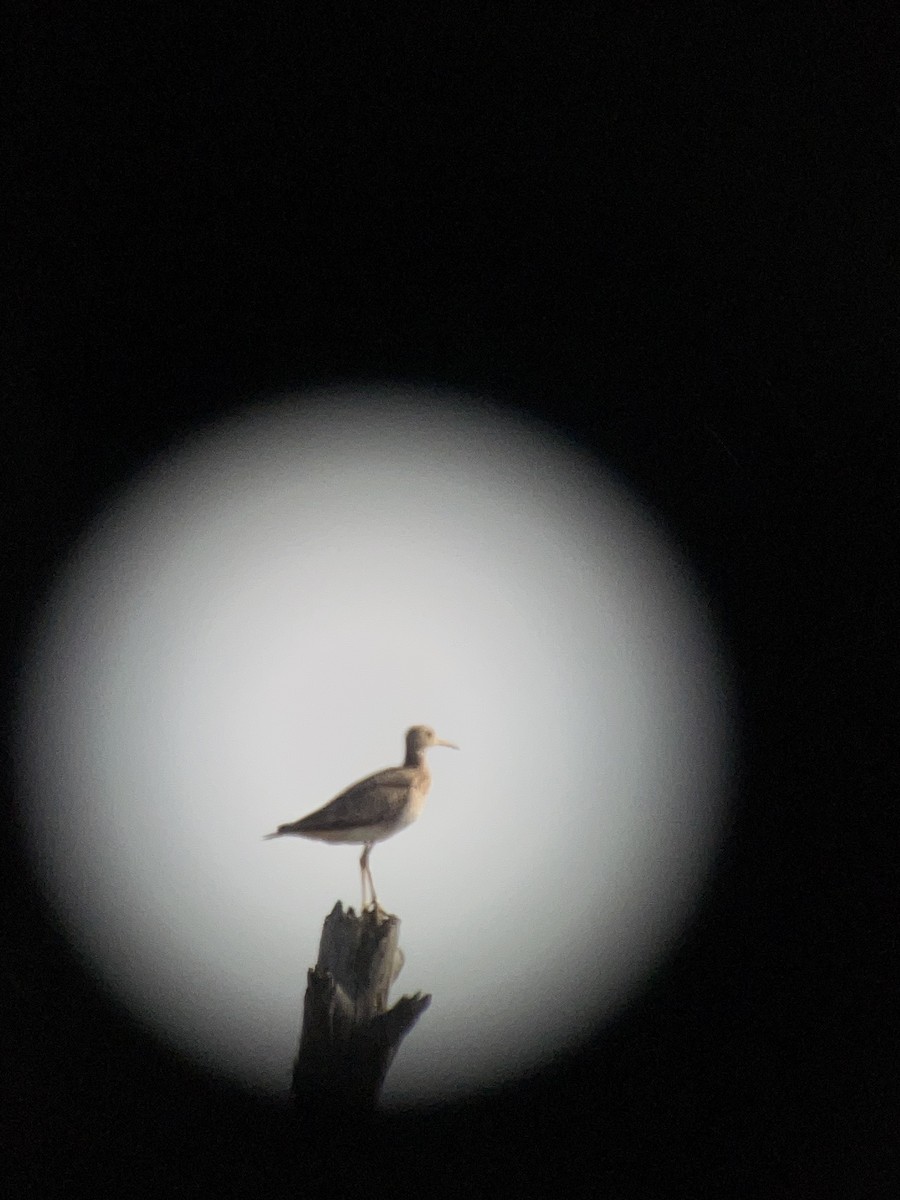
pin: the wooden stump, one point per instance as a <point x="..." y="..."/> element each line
<point x="349" y="1036"/>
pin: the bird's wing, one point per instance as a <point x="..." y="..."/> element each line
<point x="374" y="799"/>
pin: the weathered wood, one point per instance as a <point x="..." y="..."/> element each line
<point x="349" y="1036"/>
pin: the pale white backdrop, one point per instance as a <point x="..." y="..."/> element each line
<point x="252" y="626"/>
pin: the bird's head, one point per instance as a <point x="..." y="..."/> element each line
<point x="420" y="737"/>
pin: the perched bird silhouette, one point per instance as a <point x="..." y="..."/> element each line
<point x="375" y="808"/>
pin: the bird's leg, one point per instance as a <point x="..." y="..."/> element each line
<point x="372" y="886"/>
<point x="364" y="872"/>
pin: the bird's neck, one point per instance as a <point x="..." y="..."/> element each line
<point x="416" y="758"/>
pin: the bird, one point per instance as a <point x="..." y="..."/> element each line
<point x="376" y="807"/>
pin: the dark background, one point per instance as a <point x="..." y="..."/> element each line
<point x="671" y="234"/>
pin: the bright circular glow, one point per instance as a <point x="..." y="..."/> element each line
<point x="254" y="625"/>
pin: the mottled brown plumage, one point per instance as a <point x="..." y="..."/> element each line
<point x="376" y="807"/>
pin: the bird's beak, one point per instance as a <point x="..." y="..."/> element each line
<point x="449" y="745"/>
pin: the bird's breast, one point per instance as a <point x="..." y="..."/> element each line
<point x="413" y="807"/>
